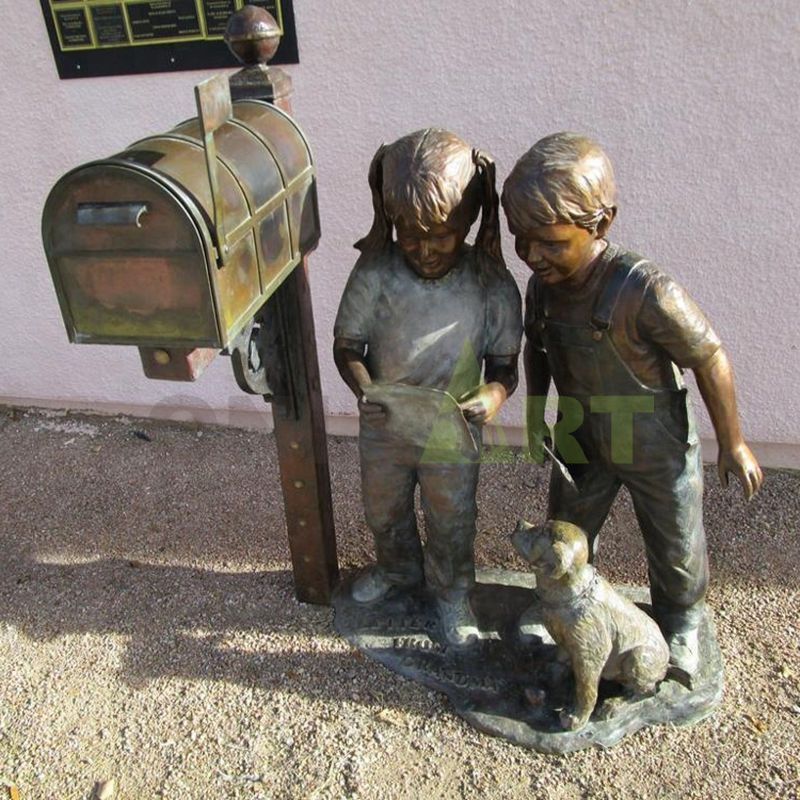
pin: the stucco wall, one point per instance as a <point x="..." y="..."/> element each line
<point x="695" y="101"/>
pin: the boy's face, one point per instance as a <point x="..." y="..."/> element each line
<point x="433" y="253"/>
<point x="557" y="253"/>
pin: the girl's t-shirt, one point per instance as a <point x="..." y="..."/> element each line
<point x="432" y="333"/>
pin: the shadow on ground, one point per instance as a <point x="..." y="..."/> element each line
<point x="241" y="627"/>
<point x="173" y="537"/>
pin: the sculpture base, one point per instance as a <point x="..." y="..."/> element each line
<point x="487" y="682"/>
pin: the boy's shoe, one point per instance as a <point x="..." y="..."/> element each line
<point x="459" y="626"/>
<point x="684" y="655"/>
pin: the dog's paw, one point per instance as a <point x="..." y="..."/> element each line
<point x="570" y="721"/>
<point x="611" y="707"/>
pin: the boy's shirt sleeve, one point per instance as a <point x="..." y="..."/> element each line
<point x="356" y="308"/>
<point x="671" y="319"/>
<point x="504" y="317"/>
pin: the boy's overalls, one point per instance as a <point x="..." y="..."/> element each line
<point x="665" y="476"/>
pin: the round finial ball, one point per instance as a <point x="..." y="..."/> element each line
<point x="253" y="35"/>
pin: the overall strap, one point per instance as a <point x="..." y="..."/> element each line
<point x="623" y="266"/>
<point x="534" y="311"/>
<point x="538" y="299"/>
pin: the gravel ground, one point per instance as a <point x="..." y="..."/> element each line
<point x="149" y="634"/>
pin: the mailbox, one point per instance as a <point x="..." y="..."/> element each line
<point x="194" y="242"/>
<point x="177" y="242"/>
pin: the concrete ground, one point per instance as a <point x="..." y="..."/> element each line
<point x="149" y="635"/>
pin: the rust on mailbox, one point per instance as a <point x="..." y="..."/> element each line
<point x="176" y="242"/>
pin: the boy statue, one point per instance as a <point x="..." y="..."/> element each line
<point x="614" y="333"/>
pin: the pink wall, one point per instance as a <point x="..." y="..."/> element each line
<point x="695" y="103"/>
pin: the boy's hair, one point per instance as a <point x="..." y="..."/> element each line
<point x="563" y="178"/>
<point x="422" y="178"/>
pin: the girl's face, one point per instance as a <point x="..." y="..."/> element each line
<point x="432" y="253"/>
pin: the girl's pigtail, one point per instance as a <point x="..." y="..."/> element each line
<point x="380" y="235"/>
<point x="488" y="238"/>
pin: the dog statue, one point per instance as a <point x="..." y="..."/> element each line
<point x="600" y="632"/>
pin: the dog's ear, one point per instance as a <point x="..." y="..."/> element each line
<point x="566" y="558"/>
<point x="575" y="543"/>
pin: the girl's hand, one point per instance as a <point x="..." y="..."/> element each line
<point x="374" y="413"/>
<point x="482" y="405"/>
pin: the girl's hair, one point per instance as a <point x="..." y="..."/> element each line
<point x="563" y="178"/>
<point x="422" y="178"/>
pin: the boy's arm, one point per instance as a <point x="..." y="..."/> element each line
<point x="671" y="319"/>
<point x="715" y="381"/>
<point x="537" y="379"/>
<point x="502" y="377"/>
<point x="348" y="355"/>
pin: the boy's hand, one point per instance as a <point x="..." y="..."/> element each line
<point x="715" y="381"/>
<point x="741" y="462"/>
<point x="539" y="434"/>
<point x="482" y="405"/>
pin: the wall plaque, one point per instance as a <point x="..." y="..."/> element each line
<point x="91" y="38"/>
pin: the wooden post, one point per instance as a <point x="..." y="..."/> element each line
<point x="298" y="414"/>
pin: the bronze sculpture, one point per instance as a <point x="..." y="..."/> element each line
<point x="614" y="333"/>
<point x="601" y="633"/>
<point x="423" y="314"/>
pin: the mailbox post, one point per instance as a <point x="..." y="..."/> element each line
<point x="252" y="36"/>
<point x="197" y="241"/>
